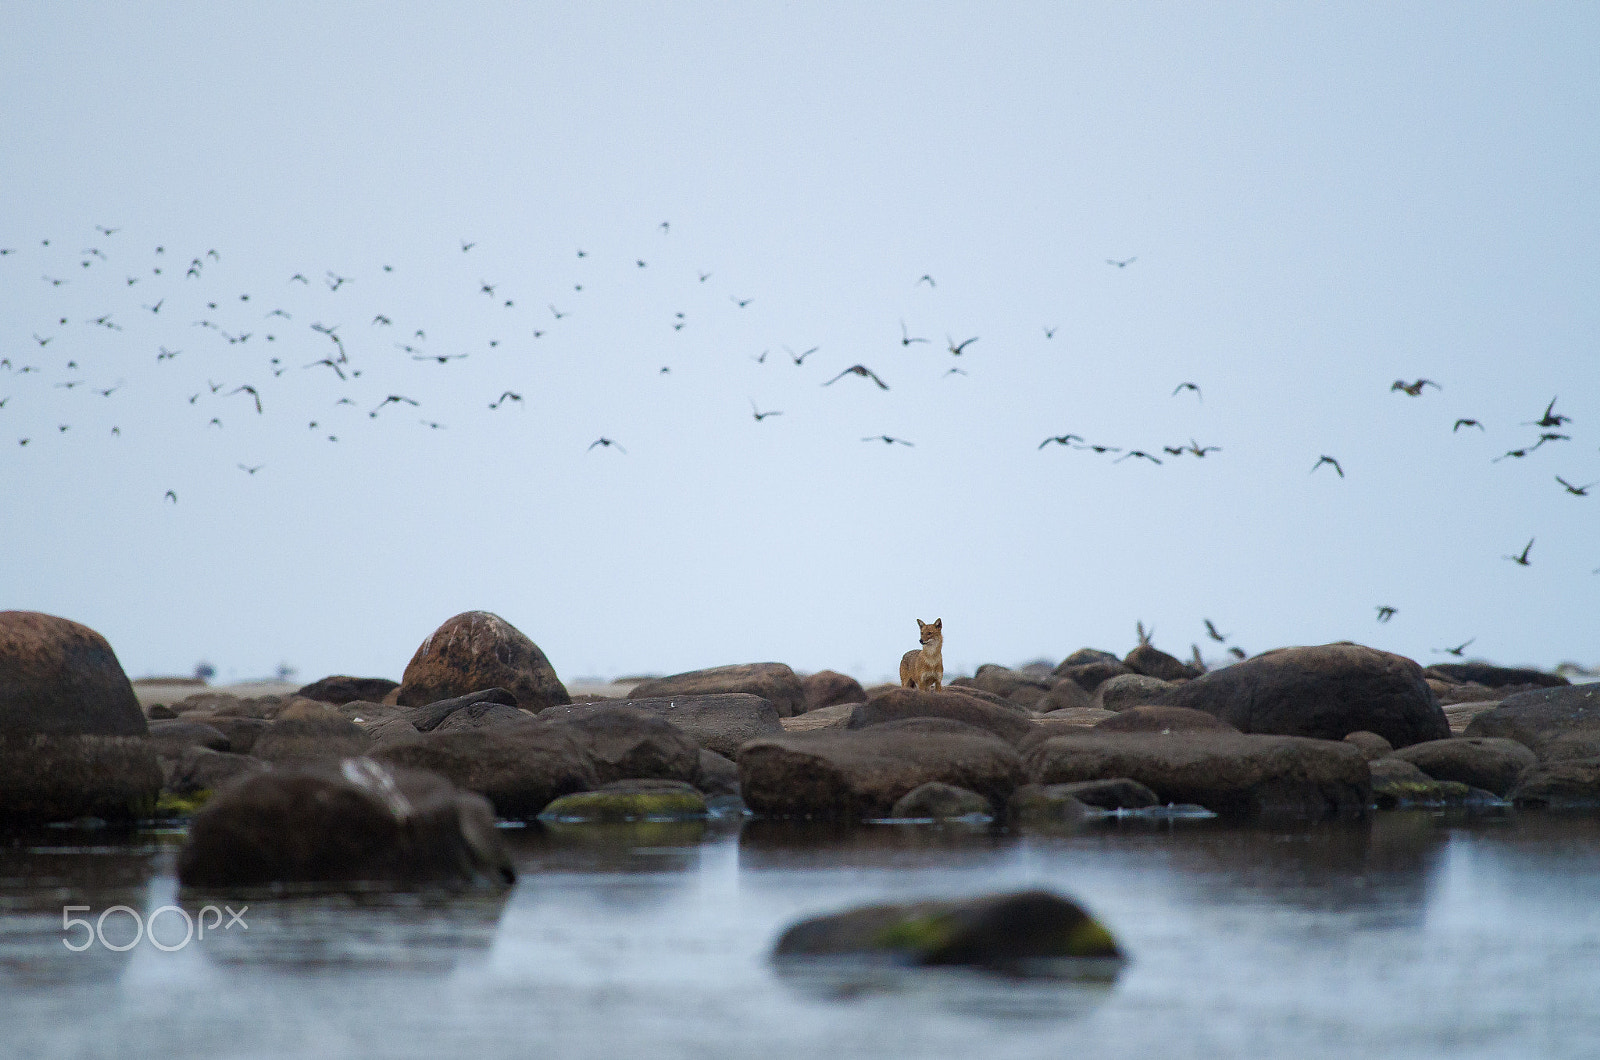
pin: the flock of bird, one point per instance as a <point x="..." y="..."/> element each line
<point x="169" y="313"/>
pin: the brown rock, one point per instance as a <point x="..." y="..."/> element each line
<point x="718" y="775"/>
<point x="825" y="688"/>
<point x="1486" y="762"/>
<point x="1089" y="676"/>
<point x="1163" y="719"/>
<point x="1153" y="662"/>
<point x="1131" y="690"/>
<point x="1371" y="744"/>
<point x="518" y="767"/>
<point x="308" y="732"/>
<point x="202" y="769"/>
<point x="1006" y="722"/>
<point x="1496" y="676"/>
<point x="630" y="744"/>
<point x="834" y="717"/>
<point x="62" y="678"/>
<point x="1544" y="720"/>
<point x="1565" y="784"/>
<point x="477" y="650"/>
<point x="341" y="689"/>
<point x="432" y="715"/>
<point x="45" y="778"/>
<point x="482" y="716"/>
<point x="940" y="801"/>
<point x="1065" y="694"/>
<point x="720" y="723"/>
<point x="773" y="682"/>
<point x="169" y="738"/>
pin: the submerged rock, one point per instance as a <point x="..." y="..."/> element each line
<point x="1014" y="933"/>
<point x="630" y="800"/>
<point x="940" y="801"/>
<point x="1397" y="783"/>
<point x="477" y="650"/>
<point x="62" y="678"/>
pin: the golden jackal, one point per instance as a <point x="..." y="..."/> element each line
<point x="924" y="668"/>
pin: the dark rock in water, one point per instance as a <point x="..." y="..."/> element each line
<point x="1131" y="690"/>
<point x="773" y="682"/>
<point x="201" y="769"/>
<point x="477" y="650"/>
<point x="1153" y="662"/>
<point x="1573" y="783"/>
<point x="1086" y="657"/>
<point x="430" y="716"/>
<point x="629" y="744"/>
<point x="1010" y="933"/>
<point x="720" y="723"/>
<point x="353" y="821"/>
<point x="160" y="712"/>
<point x="46" y="778"/>
<point x="940" y="801"/>
<point x="1545" y="720"/>
<point x="170" y="738"/>
<point x="342" y="689"/>
<point x="1007" y="722"/>
<point x="1371" y="744"/>
<point x="844" y="773"/>
<point x="1231" y="774"/>
<point x="309" y="730"/>
<point x="1116" y="793"/>
<point x="1064" y="694"/>
<point x="718" y="775"/>
<point x="826" y="688"/>
<point x="629" y="800"/>
<point x="1321" y="692"/>
<point x="1163" y="719"/>
<point x="1089" y="676"/>
<point x="1044" y="805"/>
<point x="1487" y="762"/>
<point x="519" y="767"/>
<point x="1397" y="783"/>
<point x="62" y="678"/>
<point x="481" y="716"/>
<point x="1496" y="676"/>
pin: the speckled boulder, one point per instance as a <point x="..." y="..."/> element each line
<point x="477" y="650"/>
<point x="62" y="678"/>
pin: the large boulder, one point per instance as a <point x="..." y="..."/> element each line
<point x="518" y="767"/>
<point x="341" y="689"/>
<point x="1231" y="774"/>
<point x="45" y="778"/>
<point x="1495" y="676"/>
<point x="720" y="723"/>
<point x="430" y="716"/>
<point x="1014" y="933"/>
<point x="355" y="822"/>
<point x="482" y="716"/>
<point x="62" y="678"/>
<point x="1007" y="722"/>
<point x="1553" y="722"/>
<point x="1570" y="783"/>
<point x="1486" y="762"/>
<point x="773" y="682"/>
<point x="1153" y="662"/>
<point x="629" y="744"/>
<point x="826" y="688"/>
<point x="844" y="774"/>
<point x="477" y="650"/>
<point x="1131" y="690"/>
<point x="1321" y="692"/>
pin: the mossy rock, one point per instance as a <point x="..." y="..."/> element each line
<point x="1397" y="784"/>
<point x="629" y="800"/>
<point x="171" y="805"/>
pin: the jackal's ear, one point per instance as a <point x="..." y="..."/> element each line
<point x="921" y="624"/>
<point x="938" y="623"/>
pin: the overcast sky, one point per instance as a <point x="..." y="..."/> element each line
<point x="1317" y="201"/>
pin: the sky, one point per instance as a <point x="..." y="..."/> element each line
<point x="1312" y="201"/>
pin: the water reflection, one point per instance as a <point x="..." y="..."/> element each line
<point x="1063" y="996"/>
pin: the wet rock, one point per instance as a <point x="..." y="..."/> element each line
<point x="940" y="801"/>
<point x="1153" y="662"/>
<point x="1009" y="932"/>
<point x="169" y="738"/>
<point x="1044" y="806"/>
<point x="1496" y="676"/>
<point x="518" y="767"/>
<point x="1131" y="690"/>
<point x="1321" y="692"/>
<point x="1487" y="762"/>
<point x="718" y="775"/>
<point x="1371" y="744"/>
<point x="1090" y="676"/>
<point x="1115" y="793"/>
<point x="46" y="778"/>
<point x="773" y="682"/>
<point x="718" y="722"/>
<point x="477" y="650"/>
<point x="430" y="716"/>
<point x="1397" y="783"/>
<point x="1568" y="784"/>
<point x="1231" y="774"/>
<point x="307" y="730"/>
<point x="62" y="678"/>
<point x="845" y="774"/>
<point x="1550" y="721"/>
<point x="354" y="821"/>
<point x="1163" y="719"/>
<point x="341" y="689"/>
<point x="825" y="688"/>
<point x="202" y="770"/>
<point x="1006" y="722"/>
<point x="629" y="800"/>
<point x="482" y="716"/>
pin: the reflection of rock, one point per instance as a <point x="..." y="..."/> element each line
<point x="41" y="880"/>
<point x="940" y="802"/>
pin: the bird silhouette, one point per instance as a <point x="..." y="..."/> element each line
<point x="1238" y="653"/>
<point x="1123" y="263"/>
<point x="1466" y="423"/>
<point x="1061" y="439"/>
<point x="247" y="389"/>
<point x="1200" y="451"/>
<point x="392" y="399"/>
<point x="1385" y="613"/>
<point x="1211" y="631"/>
<point x="608" y="443"/>
<point x="740" y="302"/>
<point x="1130" y="454"/>
<point x="442" y="358"/>
<point x="1516" y="453"/>
<point x="1576" y="491"/>
<point x="251" y="470"/>
<point x="956" y="349"/>
<point x="1100" y="450"/>
<point x="1549" y="419"/>
<point x="1187" y="386"/>
<point x="1328" y="460"/>
<point x="763" y="358"/>
<point x="1456" y="651"/>
<point x="558" y="314"/>
<point x="1521" y="560"/>
<point x="887" y="440"/>
<point x="465" y="246"/>
<point x="1414" y="389"/>
<point x="504" y="397"/>
<point x="863" y="371"/>
<point x="800" y="358"/>
<point x="758" y="414"/>
<point x="1050" y="333"/>
<point x="170" y="496"/>
<point x="331" y="363"/>
<point x="925" y="278"/>
<point x="704" y="276"/>
<point x="1550" y="436"/>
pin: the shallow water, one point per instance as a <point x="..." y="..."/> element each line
<point x="1417" y="935"/>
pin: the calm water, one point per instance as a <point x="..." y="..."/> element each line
<point x="1415" y="936"/>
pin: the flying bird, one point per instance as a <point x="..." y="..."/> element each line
<point x="1466" y="423"/>
<point x="740" y="302"/>
<point x="1050" y="333"/>
<point x="392" y="399"/>
<point x="1061" y="439"/>
<point x="1328" y="460"/>
<point x="1456" y="651"/>
<point x="887" y="440"/>
<point x="956" y="349"/>
<point x="331" y="363"/>
<point x="1521" y="560"/>
<point x="1123" y="263"/>
<point x="251" y="470"/>
<point x="1385" y="613"/>
<point x="1187" y="386"/>
<point x="1238" y="653"/>
<point x="858" y="369"/>
<point x="1549" y="419"/>
<point x="758" y="414"/>
<point x="507" y="396"/>
<point x="442" y="358"/>
<point x="1414" y="389"/>
<point x="800" y="358"/>
<point x="247" y="389"/>
<point x="1211" y="631"/>
<point x="925" y="278"/>
<point x="608" y="443"/>
<point x="1200" y="451"/>
<point x="170" y="496"/>
<point x="1136" y="452"/>
<point x="1576" y="491"/>
<point x="465" y="246"/>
